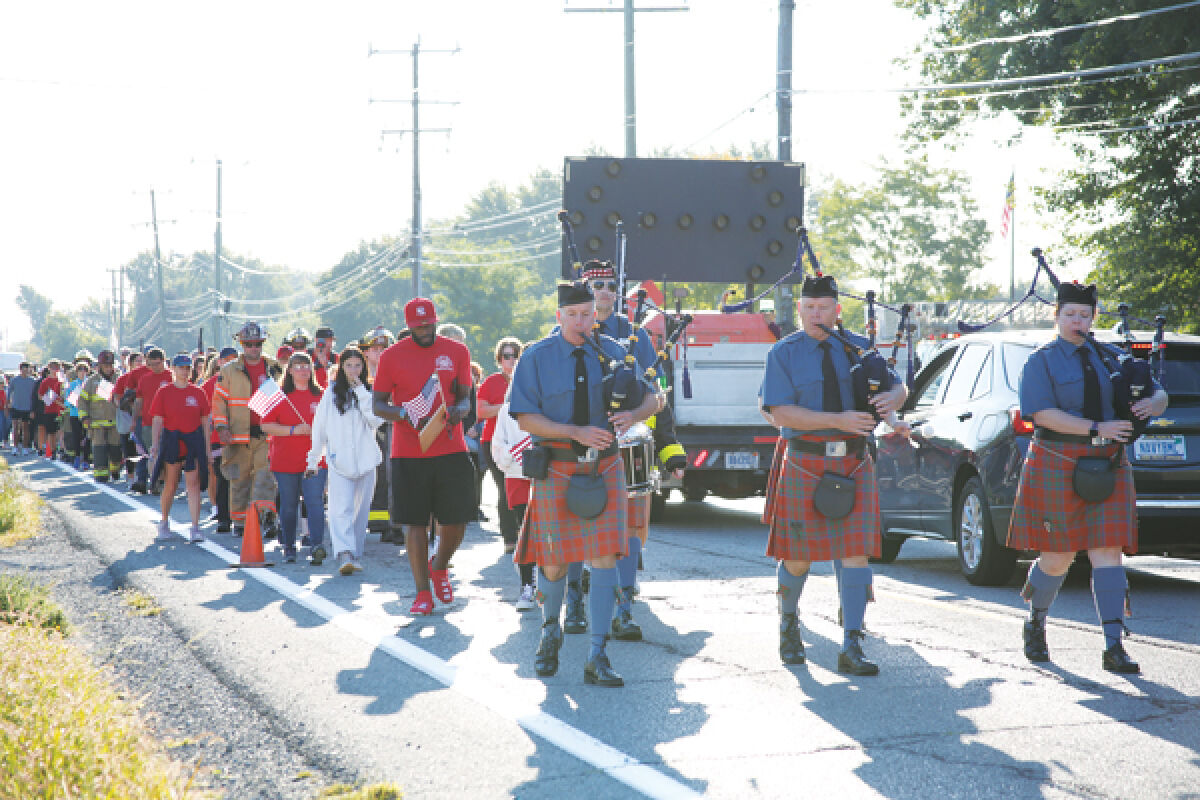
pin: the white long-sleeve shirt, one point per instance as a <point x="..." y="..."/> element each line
<point x="346" y="440"/>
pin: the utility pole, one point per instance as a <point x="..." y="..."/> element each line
<point x="416" y="132"/>
<point x="162" y="295"/>
<point x="783" y="112"/>
<point x="121" y="308"/>
<point x="630" y="85"/>
<point x="217" y="327"/>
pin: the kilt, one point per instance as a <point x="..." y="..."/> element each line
<point x="551" y="534"/>
<point x="1049" y="517"/>
<point x="798" y="532"/>
<point x="638" y="513"/>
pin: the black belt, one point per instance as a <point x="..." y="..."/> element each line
<point x="1047" y="435"/>
<point x="833" y="448"/>
<point x="256" y="432"/>
<point x="568" y="454"/>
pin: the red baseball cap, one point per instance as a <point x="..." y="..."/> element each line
<point x="419" y="311"/>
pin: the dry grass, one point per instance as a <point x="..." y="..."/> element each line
<point x="20" y="510"/>
<point x="376" y="791"/>
<point x="140" y="604"/>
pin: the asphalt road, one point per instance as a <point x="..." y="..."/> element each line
<point x="449" y="705"/>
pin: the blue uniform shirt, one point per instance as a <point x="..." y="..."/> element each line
<point x="1053" y="378"/>
<point x="544" y="380"/>
<point x="793" y="375"/>
<point x="618" y="326"/>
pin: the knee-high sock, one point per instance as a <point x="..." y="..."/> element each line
<point x="790" y="587"/>
<point x="627" y="572"/>
<point x="1041" y="589"/>
<point x="856" y="586"/>
<point x="1108" y="588"/>
<point x="601" y="600"/>
<point x="574" y="587"/>
<point x="550" y="593"/>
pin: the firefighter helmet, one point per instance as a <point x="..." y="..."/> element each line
<point x="251" y="332"/>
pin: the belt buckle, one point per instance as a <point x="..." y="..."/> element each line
<point x="592" y="454"/>
<point x="835" y="449"/>
<point x="1100" y="441"/>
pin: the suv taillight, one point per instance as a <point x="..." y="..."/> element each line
<point x="1021" y="426"/>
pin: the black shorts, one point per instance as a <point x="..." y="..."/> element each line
<point x="18" y="416"/>
<point x="441" y="486"/>
<point x="49" y="422"/>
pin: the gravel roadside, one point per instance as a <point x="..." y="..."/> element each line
<point x="241" y="751"/>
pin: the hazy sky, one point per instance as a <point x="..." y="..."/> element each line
<point x="103" y="101"/>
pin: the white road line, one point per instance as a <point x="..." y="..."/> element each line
<point x="482" y="689"/>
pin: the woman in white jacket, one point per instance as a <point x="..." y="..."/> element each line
<point x="509" y="444"/>
<point x="343" y="431"/>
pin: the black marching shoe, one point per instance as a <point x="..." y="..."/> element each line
<point x="624" y="629"/>
<point x="138" y="487"/>
<point x="791" y="646"/>
<point x="224" y="527"/>
<point x="852" y="660"/>
<point x="575" y="620"/>
<point x="270" y="526"/>
<point x="599" y="672"/>
<point x="545" y="659"/>
<point x="1034" y="634"/>
<point x="1117" y="660"/>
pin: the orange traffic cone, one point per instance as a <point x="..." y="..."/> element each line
<point x="252" y="546"/>
<point x="49" y="449"/>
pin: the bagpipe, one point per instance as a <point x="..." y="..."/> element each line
<point x="623" y="387"/>
<point x="870" y="372"/>
<point x="1132" y="377"/>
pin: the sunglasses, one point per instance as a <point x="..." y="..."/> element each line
<point x="610" y="285"/>
<point x="506" y="356"/>
<point x="246" y="345"/>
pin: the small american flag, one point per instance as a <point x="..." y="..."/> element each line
<point x="422" y="405"/>
<point x="266" y="397"/>
<point x="105" y="389"/>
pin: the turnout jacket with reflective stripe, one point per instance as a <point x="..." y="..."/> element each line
<point x="231" y="398"/>
<point x="94" y="408"/>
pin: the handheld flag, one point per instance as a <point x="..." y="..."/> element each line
<point x="73" y="398"/>
<point x="266" y="397"/>
<point x="420" y="408"/>
<point x="105" y="389"/>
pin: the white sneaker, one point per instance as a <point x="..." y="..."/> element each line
<point x="346" y="563"/>
<point x="164" y="531"/>
<point x="195" y="536"/>
<point x="526" y="601"/>
<point x="358" y="565"/>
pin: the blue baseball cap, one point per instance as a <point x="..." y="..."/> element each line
<point x="226" y="352"/>
<point x="181" y="360"/>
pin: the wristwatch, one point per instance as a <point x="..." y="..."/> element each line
<point x="1095" y="431"/>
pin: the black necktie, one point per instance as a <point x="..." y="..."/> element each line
<point x="831" y="390"/>
<point x="1092" y="407"/>
<point x="580" y="415"/>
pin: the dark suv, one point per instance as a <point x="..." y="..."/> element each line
<point x="957" y="476"/>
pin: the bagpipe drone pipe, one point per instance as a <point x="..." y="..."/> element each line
<point x="623" y="387"/>
<point x="1132" y="377"/>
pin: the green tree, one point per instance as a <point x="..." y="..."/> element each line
<point x="915" y="232"/>
<point x="1133" y="207"/>
<point x="63" y="336"/>
<point x="37" y="307"/>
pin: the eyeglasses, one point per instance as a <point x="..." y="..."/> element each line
<point x="248" y="345"/>
<point x="610" y="285"/>
<point x="507" y="356"/>
<point x="301" y="366"/>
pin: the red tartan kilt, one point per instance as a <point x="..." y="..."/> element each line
<point x="637" y="515"/>
<point x="552" y="535"/>
<point x="1049" y="517"/>
<point x="798" y="531"/>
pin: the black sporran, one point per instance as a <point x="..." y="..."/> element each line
<point x="587" y="495"/>
<point x="834" y="495"/>
<point x="1094" y="478"/>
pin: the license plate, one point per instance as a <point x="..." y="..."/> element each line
<point x="741" y="460"/>
<point x="1160" y="448"/>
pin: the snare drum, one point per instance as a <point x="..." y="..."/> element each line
<point x="637" y="455"/>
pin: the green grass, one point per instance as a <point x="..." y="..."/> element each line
<point x="140" y="604"/>
<point x="20" y="509"/>
<point x="24" y="602"/>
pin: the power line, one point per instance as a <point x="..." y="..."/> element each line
<point x="1048" y="32"/>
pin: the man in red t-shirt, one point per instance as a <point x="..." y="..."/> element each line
<point x="439" y="482"/>
<point x="134" y="362"/>
<point x="48" y="421"/>
<point x="148" y="383"/>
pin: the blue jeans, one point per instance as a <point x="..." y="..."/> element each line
<point x="293" y="486"/>
<point x="145" y="435"/>
<point x="5" y="425"/>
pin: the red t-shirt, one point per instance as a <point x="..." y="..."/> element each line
<point x="129" y="380"/>
<point x="492" y="390"/>
<point x="147" y="386"/>
<point x="403" y="370"/>
<point x="51" y="383"/>
<point x="209" y="387"/>
<point x="182" y="410"/>
<point x="258" y="374"/>
<point x="290" y="453"/>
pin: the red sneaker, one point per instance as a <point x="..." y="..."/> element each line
<point x="423" y="605"/>
<point x="440" y="578"/>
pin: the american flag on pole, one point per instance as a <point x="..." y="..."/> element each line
<point x="1009" y="204"/>
<point x="423" y="404"/>
<point x="266" y="397"/>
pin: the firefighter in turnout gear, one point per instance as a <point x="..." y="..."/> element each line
<point x="99" y="417"/>
<point x="244" y="458"/>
